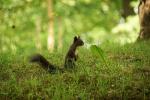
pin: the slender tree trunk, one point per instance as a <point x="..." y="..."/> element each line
<point x="126" y="8"/>
<point x="50" y="41"/>
<point x="60" y="34"/>
<point x="38" y="32"/>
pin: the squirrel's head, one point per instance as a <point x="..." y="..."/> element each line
<point x="78" y="41"/>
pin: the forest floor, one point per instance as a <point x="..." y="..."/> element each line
<point x="126" y="76"/>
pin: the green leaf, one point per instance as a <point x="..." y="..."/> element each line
<point x="98" y="51"/>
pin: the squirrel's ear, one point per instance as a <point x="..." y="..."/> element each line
<point x="75" y="38"/>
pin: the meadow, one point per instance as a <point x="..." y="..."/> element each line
<point x="125" y="74"/>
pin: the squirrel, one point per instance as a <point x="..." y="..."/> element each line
<point x="70" y="58"/>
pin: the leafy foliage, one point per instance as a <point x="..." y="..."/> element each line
<point x="92" y="19"/>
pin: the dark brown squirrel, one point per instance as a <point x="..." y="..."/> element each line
<point x="70" y="58"/>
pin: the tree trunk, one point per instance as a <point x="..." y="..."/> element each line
<point x="60" y="34"/>
<point x="144" y="17"/>
<point x="38" y="32"/>
<point x="50" y="41"/>
<point x="127" y="9"/>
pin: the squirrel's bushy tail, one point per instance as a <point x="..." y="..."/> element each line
<point x="37" y="58"/>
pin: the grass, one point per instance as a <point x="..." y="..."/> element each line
<point x="126" y="76"/>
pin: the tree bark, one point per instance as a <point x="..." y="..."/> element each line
<point x="144" y="17"/>
<point x="60" y="34"/>
<point x="50" y="41"/>
<point x="38" y="32"/>
<point x="127" y="9"/>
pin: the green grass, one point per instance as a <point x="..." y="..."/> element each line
<point x="126" y="76"/>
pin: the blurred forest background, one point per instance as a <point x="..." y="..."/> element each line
<point x="110" y="65"/>
<point x="52" y="24"/>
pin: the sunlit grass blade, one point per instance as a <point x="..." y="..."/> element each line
<point x="98" y="51"/>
